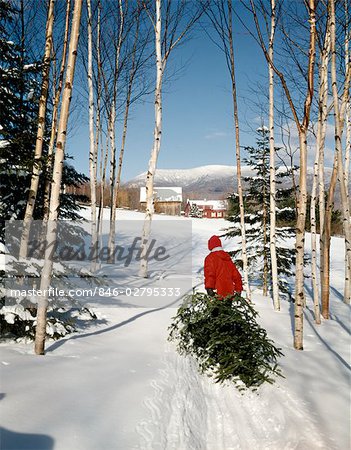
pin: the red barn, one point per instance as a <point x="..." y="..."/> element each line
<point x="209" y="209"/>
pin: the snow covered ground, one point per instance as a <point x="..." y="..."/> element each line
<point x="121" y="385"/>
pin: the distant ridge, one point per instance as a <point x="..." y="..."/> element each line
<point x="212" y="181"/>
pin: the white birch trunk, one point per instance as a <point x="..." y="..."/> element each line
<point x="300" y="243"/>
<point x="318" y="172"/>
<point x="314" y="241"/>
<point x="103" y="168"/>
<point x="301" y="217"/>
<point x="338" y="143"/>
<point x="272" y="196"/>
<point x="103" y="160"/>
<point x="40" y="332"/>
<point x="126" y="114"/>
<point x="34" y="184"/>
<point x="265" y="237"/>
<point x="160" y="67"/>
<point x="98" y="137"/>
<point x="57" y="95"/>
<point x="112" y="131"/>
<point x="238" y="155"/>
<point x="325" y="243"/>
<point x="93" y="149"/>
<point x="320" y="142"/>
<point x="347" y="287"/>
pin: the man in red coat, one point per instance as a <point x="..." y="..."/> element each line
<point x="221" y="275"/>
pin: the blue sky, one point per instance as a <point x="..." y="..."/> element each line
<point x="197" y="110"/>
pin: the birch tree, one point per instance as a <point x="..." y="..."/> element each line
<point x="34" y="184"/>
<point x="272" y="196"/>
<point x="93" y="147"/>
<point x="347" y="288"/>
<point x="220" y="14"/>
<point x="237" y="149"/>
<point x="137" y="61"/>
<point x="339" y="124"/>
<point x="112" y="132"/>
<point x="336" y="172"/>
<point x="57" y="90"/>
<point x="167" y="36"/>
<point x="137" y="58"/>
<point x="51" y="233"/>
<point x="302" y="128"/>
<point x="318" y="168"/>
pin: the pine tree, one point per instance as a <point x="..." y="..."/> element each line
<point x="18" y="106"/>
<point x="257" y="219"/>
<point x="223" y="336"/>
<point x="195" y="211"/>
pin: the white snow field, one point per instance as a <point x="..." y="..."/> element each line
<point x="120" y="385"/>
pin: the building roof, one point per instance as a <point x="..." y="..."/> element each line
<point x="163" y="194"/>
<point x="214" y="204"/>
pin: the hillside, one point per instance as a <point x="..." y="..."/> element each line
<point x="213" y="181"/>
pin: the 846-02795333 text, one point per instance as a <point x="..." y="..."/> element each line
<point x="140" y="292"/>
<point x="100" y="292"/>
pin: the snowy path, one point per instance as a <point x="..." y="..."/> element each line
<point x="189" y="412"/>
<point x="122" y="386"/>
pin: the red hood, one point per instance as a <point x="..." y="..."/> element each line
<point x="214" y="242"/>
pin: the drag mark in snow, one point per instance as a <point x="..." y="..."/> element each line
<point x="188" y="411"/>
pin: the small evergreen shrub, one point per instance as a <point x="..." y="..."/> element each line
<point x="226" y="340"/>
<point x="18" y="323"/>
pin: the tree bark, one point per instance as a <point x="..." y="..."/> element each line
<point x="302" y="128"/>
<point x="51" y="234"/>
<point x="112" y="132"/>
<point x="272" y="196"/>
<point x="126" y="112"/>
<point x="318" y="172"/>
<point x="301" y="217"/>
<point x="57" y="95"/>
<point x="264" y="223"/>
<point x="160" y="67"/>
<point x="34" y="184"/>
<point x="338" y="135"/>
<point x="93" y="148"/>
<point x="238" y="153"/>
<point x="347" y="286"/>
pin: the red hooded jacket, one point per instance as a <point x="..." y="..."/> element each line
<point x="220" y="271"/>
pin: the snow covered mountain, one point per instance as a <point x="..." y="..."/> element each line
<point x="215" y="177"/>
<point x="212" y="180"/>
